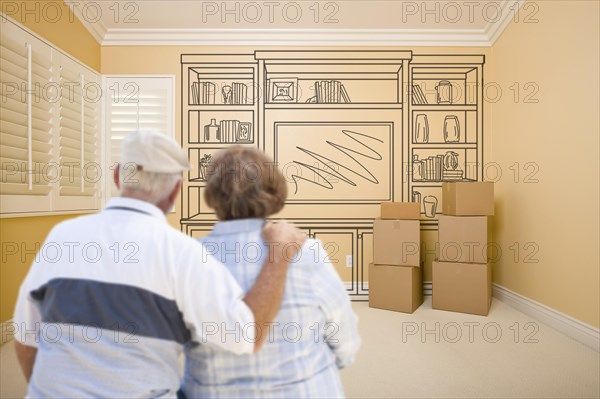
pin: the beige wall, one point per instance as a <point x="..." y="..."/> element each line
<point x="559" y="136"/>
<point x="69" y="35"/>
<point x="20" y="236"/>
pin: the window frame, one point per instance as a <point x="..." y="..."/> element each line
<point x="107" y="81"/>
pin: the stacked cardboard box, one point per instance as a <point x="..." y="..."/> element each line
<point x="395" y="279"/>
<point x="462" y="276"/>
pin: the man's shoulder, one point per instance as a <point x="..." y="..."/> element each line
<point x="78" y="222"/>
<point x="181" y="240"/>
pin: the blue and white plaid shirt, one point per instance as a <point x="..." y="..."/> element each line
<point x="314" y="334"/>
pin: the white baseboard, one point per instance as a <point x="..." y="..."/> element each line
<point x="578" y="330"/>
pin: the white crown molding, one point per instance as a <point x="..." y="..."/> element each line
<point x="96" y="29"/>
<point x="298" y="37"/>
<point x="578" y="330"/>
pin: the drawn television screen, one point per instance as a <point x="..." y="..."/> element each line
<point x="335" y="162"/>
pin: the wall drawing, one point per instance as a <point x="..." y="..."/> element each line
<point x="350" y="129"/>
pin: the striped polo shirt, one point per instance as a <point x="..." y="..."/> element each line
<point x="111" y="298"/>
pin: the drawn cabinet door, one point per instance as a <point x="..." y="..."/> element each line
<point x="365" y="256"/>
<point x="341" y="250"/>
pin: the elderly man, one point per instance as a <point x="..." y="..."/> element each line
<point x="111" y="297"/>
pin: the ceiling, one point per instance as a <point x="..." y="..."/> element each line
<point x="299" y="22"/>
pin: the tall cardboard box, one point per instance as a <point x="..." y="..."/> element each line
<point x="396" y="242"/>
<point x="400" y="210"/>
<point x="468" y="198"/>
<point x="398" y="288"/>
<point x="463" y="239"/>
<point x="462" y="287"/>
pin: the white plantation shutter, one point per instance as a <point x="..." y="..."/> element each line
<point x="70" y="132"/>
<point x="26" y="130"/>
<point x="78" y="138"/>
<point x="42" y="129"/>
<point x="44" y="125"/>
<point x="14" y="123"/>
<point x="92" y="132"/>
<point x="135" y="103"/>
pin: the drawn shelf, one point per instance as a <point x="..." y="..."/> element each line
<point x="446" y="145"/>
<point x="446" y="127"/>
<point x="444" y="107"/>
<point x="219" y="86"/>
<point x="426" y="182"/>
<point x="443" y="127"/>
<point x="443" y="165"/>
<point x="442" y="85"/>
<point x="220" y="126"/>
<point x="334" y="78"/>
<point x="219" y="109"/>
<point x="397" y="106"/>
<point x="282" y="89"/>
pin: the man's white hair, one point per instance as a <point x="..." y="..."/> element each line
<point x="150" y="186"/>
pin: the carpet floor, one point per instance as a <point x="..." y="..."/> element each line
<point x="437" y="354"/>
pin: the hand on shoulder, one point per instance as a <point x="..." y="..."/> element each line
<point x="284" y="239"/>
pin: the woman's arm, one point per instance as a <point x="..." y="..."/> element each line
<point x="213" y="302"/>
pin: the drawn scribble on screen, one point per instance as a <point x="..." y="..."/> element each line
<point x="347" y="162"/>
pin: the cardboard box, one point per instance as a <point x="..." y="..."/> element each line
<point x="462" y="239"/>
<point x="396" y="242"/>
<point x="462" y="287"/>
<point x="400" y="210"/>
<point x="468" y="198"/>
<point x="398" y="288"/>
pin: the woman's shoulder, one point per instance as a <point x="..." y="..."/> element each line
<point x="312" y="254"/>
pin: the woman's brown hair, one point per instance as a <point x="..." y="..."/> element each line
<point x="244" y="183"/>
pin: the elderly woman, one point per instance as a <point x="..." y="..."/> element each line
<point x="315" y="332"/>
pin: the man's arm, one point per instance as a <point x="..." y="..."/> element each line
<point x="264" y="298"/>
<point x="341" y="327"/>
<point x="26" y="355"/>
<point x="213" y="303"/>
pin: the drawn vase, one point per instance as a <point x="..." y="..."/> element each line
<point x="202" y="170"/>
<point x="421" y="131"/>
<point x="227" y="92"/>
<point x="430" y="204"/>
<point x="211" y="132"/>
<point x="416" y="197"/>
<point x="451" y="129"/>
<point x="450" y="160"/>
<point x="417" y="170"/>
<point x="444" y="92"/>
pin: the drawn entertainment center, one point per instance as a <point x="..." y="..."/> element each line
<point x="349" y="129"/>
